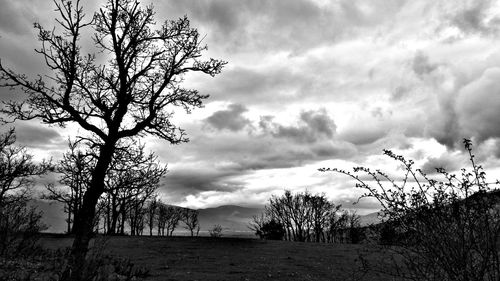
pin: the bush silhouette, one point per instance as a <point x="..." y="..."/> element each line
<point x="447" y="227"/>
<point x="272" y="230"/>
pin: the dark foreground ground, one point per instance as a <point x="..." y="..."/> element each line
<point x="205" y="258"/>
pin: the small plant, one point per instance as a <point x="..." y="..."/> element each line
<point x="216" y="231"/>
<point x="445" y="229"/>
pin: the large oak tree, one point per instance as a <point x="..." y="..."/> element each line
<point x="131" y="95"/>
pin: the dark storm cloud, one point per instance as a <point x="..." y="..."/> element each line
<point x="421" y="64"/>
<point x="13" y="17"/>
<point x="230" y="119"/>
<point x="468" y="112"/>
<point x="293" y="25"/>
<point x="36" y="135"/>
<point x="477" y="106"/>
<point x="447" y="161"/>
<point x="473" y="19"/>
<point x="182" y="182"/>
<point x="283" y="155"/>
<point x="365" y="135"/>
<point x="313" y="126"/>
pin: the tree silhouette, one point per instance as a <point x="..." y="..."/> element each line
<point x="133" y="178"/>
<point x="190" y="219"/>
<point x="75" y="170"/>
<point x="18" y="221"/>
<point x="303" y="217"/>
<point x="132" y="95"/>
<point x="17" y="170"/>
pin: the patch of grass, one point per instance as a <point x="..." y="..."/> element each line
<point x="204" y="258"/>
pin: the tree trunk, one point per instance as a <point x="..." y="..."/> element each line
<point x="114" y="216"/>
<point x="84" y="221"/>
<point x="69" y="218"/>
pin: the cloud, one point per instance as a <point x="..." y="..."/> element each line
<point x="29" y="134"/>
<point x="365" y="135"/>
<point x="268" y="25"/>
<point x="421" y="64"/>
<point x="182" y="182"/>
<point x="475" y="18"/>
<point x="13" y="17"/>
<point x="230" y="119"/>
<point x="313" y="126"/>
<point x="477" y="107"/>
<point x="448" y="161"/>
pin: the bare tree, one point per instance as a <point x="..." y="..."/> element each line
<point x="18" y="221"/>
<point x="190" y="219"/>
<point x="75" y="168"/>
<point x="168" y="218"/>
<point x="216" y="231"/>
<point x="304" y="216"/>
<point x="133" y="178"/>
<point x="133" y="94"/>
<point x="320" y="212"/>
<point x="17" y="170"/>
<point x="152" y="214"/>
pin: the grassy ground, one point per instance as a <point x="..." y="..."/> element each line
<point x="205" y="258"/>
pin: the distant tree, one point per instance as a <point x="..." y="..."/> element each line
<point x="272" y="230"/>
<point x="168" y="219"/>
<point x="320" y="211"/>
<point x="304" y="217"/>
<point x="75" y="170"/>
<point x="446" y="228"/>
<point x="216" y="231"/>
<point x="132" y="95"/>
<point x="292" y="212"/>
<point x="132" y="179"/>
<point x="17" y="170"/>
<point x="152" y="207"/>
<point x="257" y="223"/>
<point x="18" y="221"/>
<point x="190" y="219"/>
<point x="353" y="227"/>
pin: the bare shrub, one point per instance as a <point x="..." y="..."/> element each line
<point x="444" y="229"/>
<point x="216" y="231"/>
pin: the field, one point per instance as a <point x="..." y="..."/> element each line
<point x="205" y="258"/>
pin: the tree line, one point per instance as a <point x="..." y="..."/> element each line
<point x="130" y="198"/>
<point x="306" y="217"/>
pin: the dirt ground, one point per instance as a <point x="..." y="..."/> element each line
<point x="205" y="258"/>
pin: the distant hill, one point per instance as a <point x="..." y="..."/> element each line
<point x="371" y="218"/>
<point x="231" y="218"/>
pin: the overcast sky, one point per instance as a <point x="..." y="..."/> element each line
<point x="310" y="84"/>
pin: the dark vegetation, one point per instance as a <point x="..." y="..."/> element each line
<point x="206" y="258"/>
<point x="305" y="217"/>
<point x="444" y="228"/>
<point x="19" y="223"/>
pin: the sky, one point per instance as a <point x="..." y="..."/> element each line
<point x="308" y="84"/>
